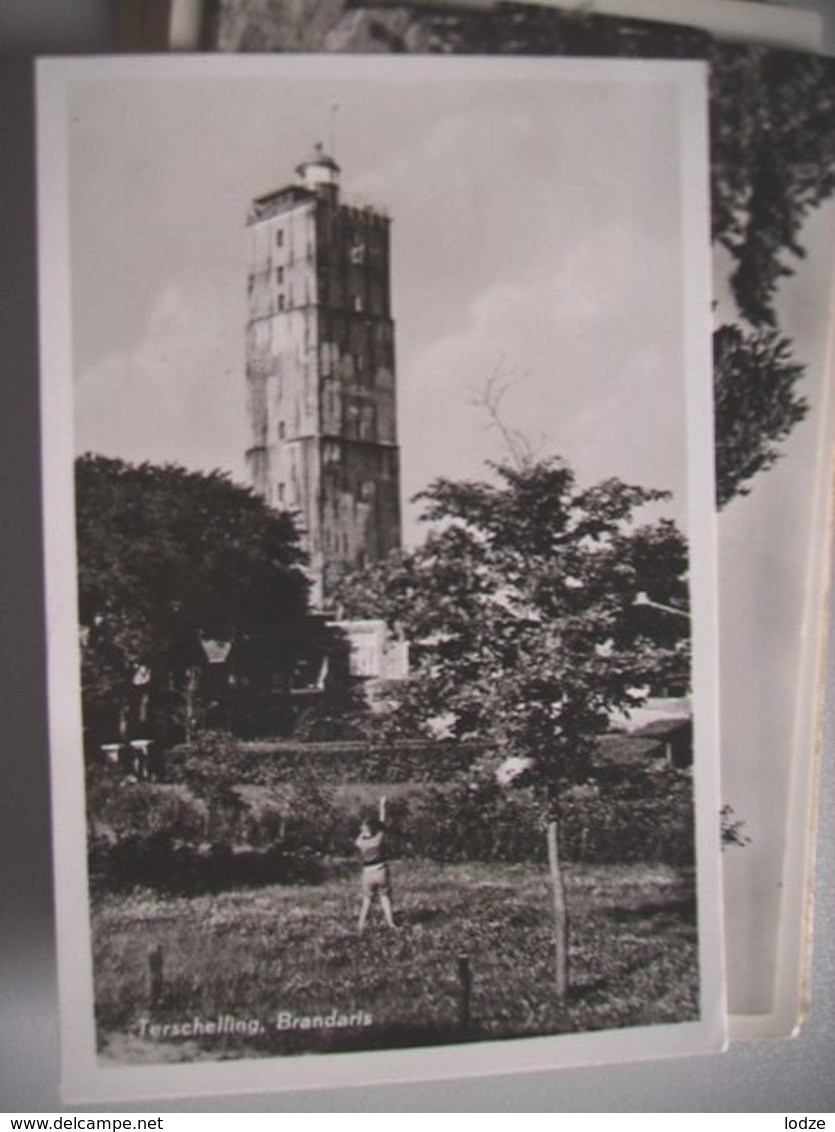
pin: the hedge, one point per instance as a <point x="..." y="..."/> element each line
<point x="216" y="756"/>
<point x="283" y="818"/>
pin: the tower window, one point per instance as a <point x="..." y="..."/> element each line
<point x="279" y="275"/>
<point x="279" y="237"/>
<point x="281" y="430"/>
<point x="358" y="303"/>
<point x="281" y="302"/>
<point x="281" y="493"/>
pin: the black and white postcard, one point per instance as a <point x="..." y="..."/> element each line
<point x="378" y="489"/>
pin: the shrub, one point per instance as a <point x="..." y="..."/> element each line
<point x="246" y="813"/>
<point x="214" y="757"/>
<point x="478" y="821"/>
<point x="116" y="809"/>
<point x="471" y="822"/>
<point x="649" y="819"/>
<point x="169" y="866"/>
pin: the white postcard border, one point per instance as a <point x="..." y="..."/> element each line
<point x="83" y="1078"/>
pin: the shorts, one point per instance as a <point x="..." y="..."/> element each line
<point x="376" y="878"/>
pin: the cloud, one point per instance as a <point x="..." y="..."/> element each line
<point x="454" y="154"/>
<point x="179" y="394"/>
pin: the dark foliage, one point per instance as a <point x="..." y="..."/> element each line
<point x="521" y="609"/>
<point x="170" y="559"/>
<point x="173" y="867"/>
<point x="219" y="758"/>
<point x="773" y="162"/>
<point x="479" y="821"/>
<point x="274" y="818"/>
<point x="356" y="26"/>
<point x="772" y="132"/>
<point x="755" y="403"/>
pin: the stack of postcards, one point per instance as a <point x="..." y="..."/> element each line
<point x="437" y="439"/>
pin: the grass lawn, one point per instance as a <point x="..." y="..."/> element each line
<point x="254" y="955"/>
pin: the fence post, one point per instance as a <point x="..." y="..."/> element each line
<point x="560" y="916"/>
<point x="156" y="980"/>
<point x="464" y="985"/>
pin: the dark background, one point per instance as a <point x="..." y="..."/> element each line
<point x="793" y="1076"/>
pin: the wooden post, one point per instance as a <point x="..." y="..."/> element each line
<point x="156" y="980"/>
<point x="464" y="985"/>
<point x="560" y="915"/>
<point x="190" y="699"/>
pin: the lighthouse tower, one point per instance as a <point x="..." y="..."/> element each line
<point x="320" y="370"/>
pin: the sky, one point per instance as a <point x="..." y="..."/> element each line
<point x="536" y="232"/>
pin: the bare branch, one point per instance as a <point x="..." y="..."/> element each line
<point x="517" y="445"/>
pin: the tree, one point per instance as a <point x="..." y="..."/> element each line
<point x="772" y="162"/>
<point x="755" y="404"/>
<point x="772" y="133"/>
<point x="521" y="609"/>
<point x="169" y="560"/>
